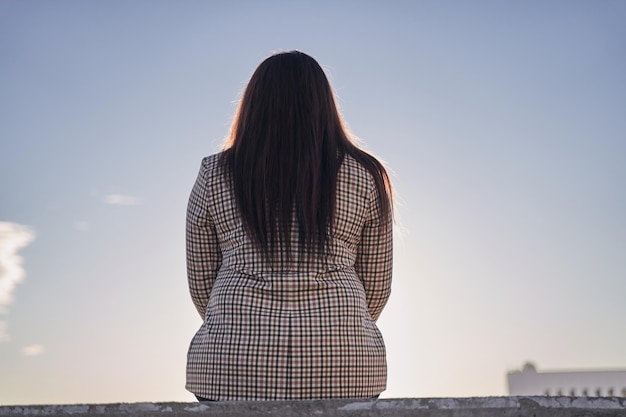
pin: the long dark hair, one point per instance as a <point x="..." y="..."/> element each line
<point x="285" y="148"/>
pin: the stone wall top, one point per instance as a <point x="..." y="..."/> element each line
<point x="418" y="407"/>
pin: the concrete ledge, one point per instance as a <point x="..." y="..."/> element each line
<point x="418" y="407"/>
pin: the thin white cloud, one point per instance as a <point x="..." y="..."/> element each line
<point x="4" y="336"/>
<point x="81" y="226"/>
<point x="32" y="350"/>
<point x="122" y="200"/>
<point x="13" y="237"/>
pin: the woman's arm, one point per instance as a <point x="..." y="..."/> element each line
<point x="374" y="257"/>
<point x="203" y="252"/>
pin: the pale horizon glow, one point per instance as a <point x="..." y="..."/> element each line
<point x="502" y="124"/>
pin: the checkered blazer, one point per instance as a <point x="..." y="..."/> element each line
<point x="302" y="332"/>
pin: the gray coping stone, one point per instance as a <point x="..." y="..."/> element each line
<point x="420" y="407"/>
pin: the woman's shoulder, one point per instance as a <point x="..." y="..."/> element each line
<point x="213" y="161"/>
<point x="212" y="166"/>
<point x="353" y="168"/>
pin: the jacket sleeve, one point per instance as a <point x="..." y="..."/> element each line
<point x="374" y="259"/>
<point x="203" y="253"/>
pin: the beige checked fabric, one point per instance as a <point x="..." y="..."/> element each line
<point x="302" y="332"/>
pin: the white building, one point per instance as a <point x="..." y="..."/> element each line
<point x="600" y="383"/>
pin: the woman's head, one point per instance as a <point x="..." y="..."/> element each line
<point x="287" y="98"/>
<point x="284" y="151"/>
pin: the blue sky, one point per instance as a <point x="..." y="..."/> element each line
<point x="502" y="123"/>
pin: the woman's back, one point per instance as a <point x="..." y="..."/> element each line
<point x="300" y="333"/>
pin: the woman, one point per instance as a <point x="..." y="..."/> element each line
<point x="289" y="249"/>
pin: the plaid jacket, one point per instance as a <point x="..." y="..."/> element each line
<point x="305" y="332"/>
